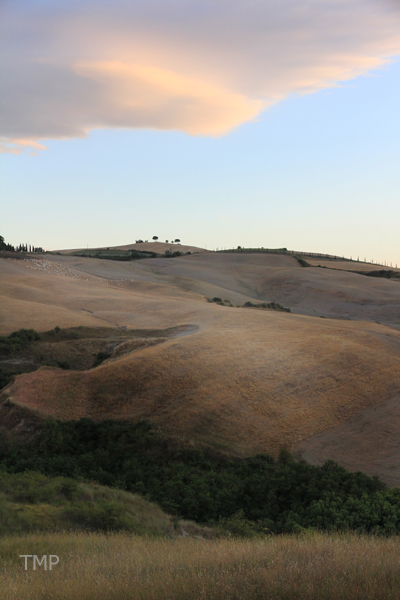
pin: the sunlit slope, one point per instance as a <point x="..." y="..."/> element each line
<point x="247" y="381"/>
<point x="43" y="294"/>
<point x="263" y="277"/>
<point x="350" y="265"/>
<point x="311" y="291"/>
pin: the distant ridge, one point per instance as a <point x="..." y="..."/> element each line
<point x="157" y="247"/>
<point x="310" y="255"/>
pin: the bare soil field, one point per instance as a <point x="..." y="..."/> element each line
<point x="242" y="380"/>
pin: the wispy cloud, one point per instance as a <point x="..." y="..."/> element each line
<point x="198" y="66"/>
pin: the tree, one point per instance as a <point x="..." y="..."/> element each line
<point x="177" y="241"/>
<point x="166" y="241"/>
<point x="155" y="238"/>
<point x="4" y="246"/>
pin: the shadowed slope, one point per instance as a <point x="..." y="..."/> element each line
<point x="368" y="441"/>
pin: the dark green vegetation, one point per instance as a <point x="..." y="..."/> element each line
<point x="33" y="502"/>
<point x="77" y="348"/>
<point x="11" y="346"/>
<point x="302" y="262"/>
<point x="219" y="301"/>
<point x="17" y="341"/>
<point x="4" y="246"/>
<point x="169" y="254"/>
<point x="26" y="350"/>
<point x="257" y="493"/>
<point x="123" y="255"/>
<point x="251" y="250"/>
<point x="387" y="274"/>
<point x="268" y="305"/>
<point x="21" y="248"/>
<point x="126" y="255"/>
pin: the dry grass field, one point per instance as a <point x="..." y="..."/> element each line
<point x="241" y="379"/>
<point x="346" y="265"/>
<point x="159" y="247"/>
<point x="121" y="567"/>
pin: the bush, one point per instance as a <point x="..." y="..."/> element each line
<point x="238" y="526"/>
<point x="302" y="262"/>
<point x="100" y="357"/>
<point x="18" y="340"/>
<point x="256" y="492"/>
<point x="268" y="305"/>
<point x="387" y="274"/>
<point x="101" y="516"/>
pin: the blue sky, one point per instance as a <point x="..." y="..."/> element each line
<point x="313" y="169"/>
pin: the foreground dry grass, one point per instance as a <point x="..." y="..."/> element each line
<point x="121" y="567"/>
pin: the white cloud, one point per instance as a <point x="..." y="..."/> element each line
<point x="199" y="66"/>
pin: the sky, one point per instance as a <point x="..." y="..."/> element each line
<point x="270" y="123"/>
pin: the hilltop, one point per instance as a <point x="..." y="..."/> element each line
<point x="156" y="246"/>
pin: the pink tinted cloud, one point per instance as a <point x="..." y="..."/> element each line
<point x="196" y="66"/>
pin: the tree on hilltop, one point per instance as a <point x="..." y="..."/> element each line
<point x="155" y="238"/>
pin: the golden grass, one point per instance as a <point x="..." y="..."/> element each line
<point x="247" y="381"/>
<point x="121" y="567"/>
<point x="349" y="265"/>
<point x="251" y="385"/>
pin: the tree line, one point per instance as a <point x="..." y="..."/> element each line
<point x="267" y="494"/>
<point x="20" y="248"/>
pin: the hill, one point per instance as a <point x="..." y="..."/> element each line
<point x="158" y="247"/>
<point x="244" y="380"/>
<point x="31" y="502"/>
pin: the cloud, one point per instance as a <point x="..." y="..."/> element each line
<point x="13" y="146"/>
<point x="199" y="66"/>
<point x="147" y="96"/>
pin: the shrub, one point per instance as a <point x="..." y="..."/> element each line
<point x="101" y="357"/>
<point x="268" y="305"/>
<point x="279" y="495"/>
<point x="101" y="516"/>
<point x="387" y="274"/>
<point x="302" y="262"/>
<point x="18" y="340"/>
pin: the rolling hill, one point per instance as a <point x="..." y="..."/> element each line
<point x="244" y="380"/>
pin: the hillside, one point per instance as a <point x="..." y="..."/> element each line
<point x="244" y="380"/>
<point x="32" y="502"/>
<point x="158" y="247"/>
